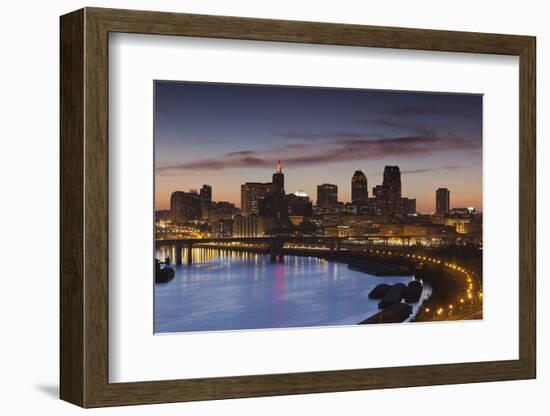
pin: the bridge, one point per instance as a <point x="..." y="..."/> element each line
<point x="275" y="244"/>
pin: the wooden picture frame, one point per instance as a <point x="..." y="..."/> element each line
<point x="84" y="207"/>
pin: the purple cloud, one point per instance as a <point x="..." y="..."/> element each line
<point x="447" y="167"/>
<point x="333" y="151"/>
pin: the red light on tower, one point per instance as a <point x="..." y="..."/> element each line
<point x="279" y="167"/>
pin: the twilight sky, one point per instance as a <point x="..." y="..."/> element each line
<point x="227" y="134"/>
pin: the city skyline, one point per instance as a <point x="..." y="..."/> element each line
<point x="225" y="135"/>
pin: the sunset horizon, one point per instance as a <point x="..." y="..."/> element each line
<point x="224" y="135"/>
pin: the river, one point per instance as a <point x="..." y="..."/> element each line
<point x="224" y="290"/>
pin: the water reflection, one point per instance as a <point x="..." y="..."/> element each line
<point x="227" y="290"/>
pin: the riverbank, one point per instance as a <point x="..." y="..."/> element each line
<point x="379" y="269"/>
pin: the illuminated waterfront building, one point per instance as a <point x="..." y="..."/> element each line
<point x="252" y="226"/>
<point x="327" y="195"/>
<point x="185" y="206"/>
<point x="461" y="225"/>
<point x="442" y="201"/>
<point x="464" y="220"/>
<point x="163" y="215"/>
<point x="416" y="230"/>
<point x="223" y="228"/>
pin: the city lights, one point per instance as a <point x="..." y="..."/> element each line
<point x="377" y="227"/>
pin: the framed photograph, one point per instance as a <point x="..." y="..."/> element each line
<point x="257" y="207"/>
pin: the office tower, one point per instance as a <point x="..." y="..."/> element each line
<point x="251" y="193"/>
<point x="392" y="182"/>
<point x="206" y="200"/>
<point x="359" y="188"/>
<point x="442" y="201"/>
<point x="185" y="206"/>
<point x="279" y="178"/>
<point x="176" y="204"/>
<point x="276" y="206"/>
<point x="327" y="195"/>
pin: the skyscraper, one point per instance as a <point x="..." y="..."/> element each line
<point x="359" y="188"/>
<point x="393" y="203"/>
<point x="388" y="195"/>
<point x="279" y="178"/>
<point x="442" y="201"/>
<point x="274" y="205"/>
<point x="176" y="203"/>
<point x="327" y="195"/>
<point x="251" y="193"/>
<point x="392" y="182"/>
<point x="206" y="200"/>
<point x="185" y="206"/>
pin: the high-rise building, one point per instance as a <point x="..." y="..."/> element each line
<point x="185" y="206"/>
<point x="392" y="182"/>
<point x="388" y="200"/>
<point x="327" y="195"/>
<point x="442" y="201"/>
<point x="251" y="193"/>
<point x="206" y="200"/>
<point x="359" y="188"/>
<point x="176" y="205"/>
<point x="276" y="206"/>
<point x="279" y="178"/>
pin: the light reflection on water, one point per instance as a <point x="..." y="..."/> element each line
<point x="224" y="290"/>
